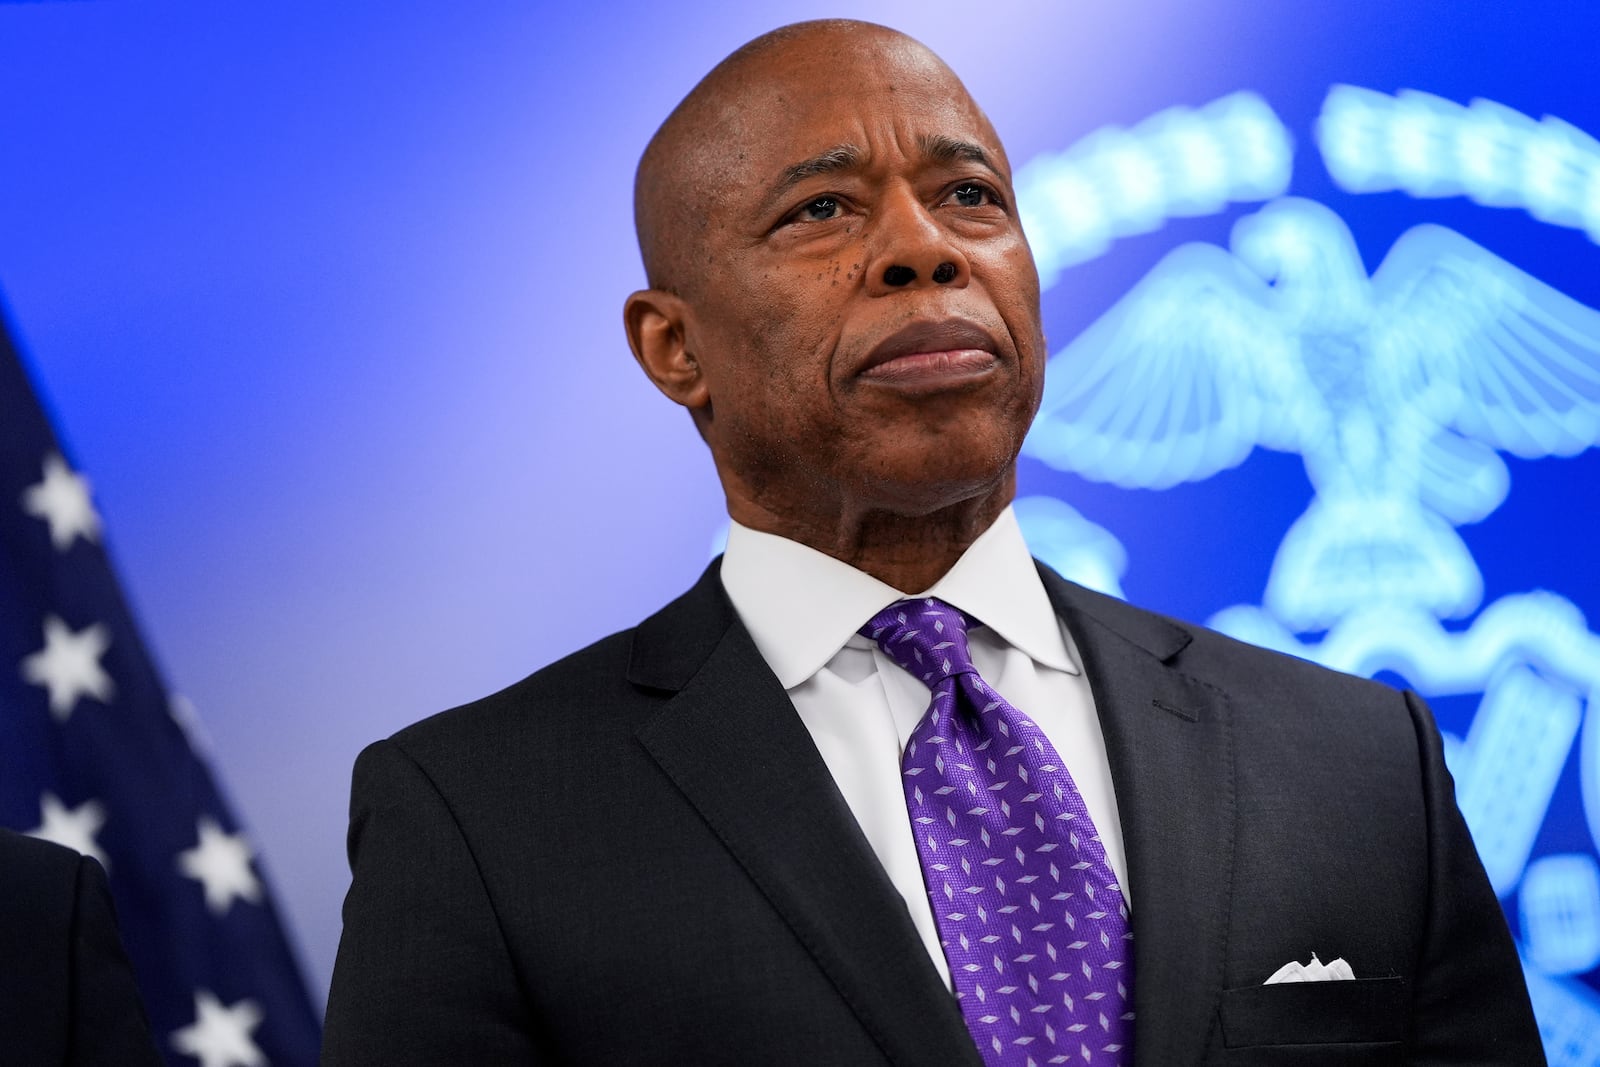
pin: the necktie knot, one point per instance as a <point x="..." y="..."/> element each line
<point x="926" y="637"/>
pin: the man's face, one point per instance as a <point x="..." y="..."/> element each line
<point x="866" y="309"/>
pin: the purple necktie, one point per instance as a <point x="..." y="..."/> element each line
<point x="1030" y="913"/>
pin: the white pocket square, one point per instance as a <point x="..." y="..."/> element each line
<point x="1315" y="971"/>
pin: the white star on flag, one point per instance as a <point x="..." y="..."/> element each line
<point x="221" y="863"/>
<point x="62" y="500"/>
<point x="69" y="666"/>
<point x="72" y="827"/>
<point x="220" y="1036"/>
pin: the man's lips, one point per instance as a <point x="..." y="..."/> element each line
<point x="931" y="353"/>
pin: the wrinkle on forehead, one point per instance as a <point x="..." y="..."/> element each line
<point x="700" y="155"/>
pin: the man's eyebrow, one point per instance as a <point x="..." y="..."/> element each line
<point x="938" y="147"/>
<point x="839" y="157"/>
<point x="945" y="149"/>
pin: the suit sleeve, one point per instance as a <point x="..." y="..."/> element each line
<point x="108" y="1019"/>
<point x="1470" y="1004"/>
<point x="423" y="975"/>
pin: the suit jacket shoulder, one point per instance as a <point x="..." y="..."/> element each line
<point x="66" y="984"/>
<point x="597" y="687"/>
<point x="1206" y="654"/>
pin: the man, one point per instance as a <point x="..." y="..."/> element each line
<point x="67" y="992"/>
<point x="787" y="820"/>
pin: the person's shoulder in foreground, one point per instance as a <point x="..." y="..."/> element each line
<point x="67" y="992"/>
<point x="641" y="854"/>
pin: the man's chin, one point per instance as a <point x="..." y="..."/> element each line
<point x="920" y="493"/>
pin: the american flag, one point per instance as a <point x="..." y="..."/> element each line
<point x="95" y="754"/>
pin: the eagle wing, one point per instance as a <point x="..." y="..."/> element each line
<point x="1484" y="348"/>
<point x="1179" y="380"/>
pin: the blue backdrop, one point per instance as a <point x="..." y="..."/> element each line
<point x="326" y="301"/>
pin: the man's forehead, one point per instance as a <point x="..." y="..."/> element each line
<point x="792" y="129"/>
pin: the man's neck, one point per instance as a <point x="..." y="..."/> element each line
<point x="908" y="552"/>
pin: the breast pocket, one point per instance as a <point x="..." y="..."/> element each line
<point x="1314" y="1013"/>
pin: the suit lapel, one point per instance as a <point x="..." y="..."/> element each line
<point x="731" y="741"/>
<point x="1169" y="745"/>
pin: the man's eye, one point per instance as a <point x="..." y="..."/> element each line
<point x="972" y="195"/>
<point x="820" y="209"/>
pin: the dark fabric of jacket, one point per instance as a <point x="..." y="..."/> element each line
<point x="67" y="992"/>
<point x="637" y="856"/>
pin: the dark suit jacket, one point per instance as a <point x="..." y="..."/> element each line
<point x="637" y="856"/>
<point x="67" y="994"/>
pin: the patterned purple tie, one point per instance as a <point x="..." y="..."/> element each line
<point x="1030" y="913"/>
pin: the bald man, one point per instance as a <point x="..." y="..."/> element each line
<point x="880" y="789"/>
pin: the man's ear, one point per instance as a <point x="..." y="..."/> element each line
<point x="656" y="321"/>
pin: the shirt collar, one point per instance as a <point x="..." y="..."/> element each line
<point x="801" y="606"/>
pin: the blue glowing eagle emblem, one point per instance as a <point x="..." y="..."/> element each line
<point x="1397" y="390"/>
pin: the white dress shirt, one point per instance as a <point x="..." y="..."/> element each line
<point x="803" y="609"/>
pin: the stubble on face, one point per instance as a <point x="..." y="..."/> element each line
<point x="773" y="205"/>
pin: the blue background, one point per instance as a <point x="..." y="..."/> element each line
<point x="326" y="301"/>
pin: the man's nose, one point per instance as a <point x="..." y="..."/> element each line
<point x="912" y="249"/>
